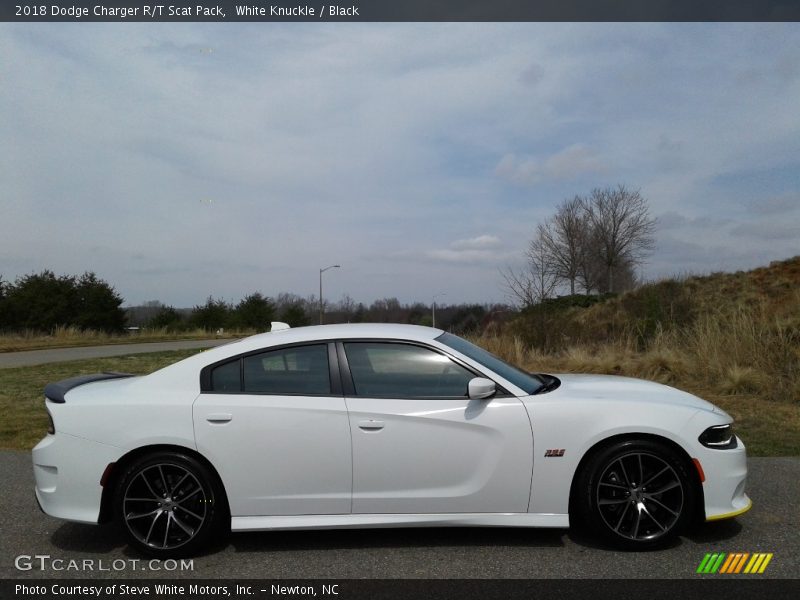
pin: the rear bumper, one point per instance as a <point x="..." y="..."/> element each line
<point x="67" y="471"/>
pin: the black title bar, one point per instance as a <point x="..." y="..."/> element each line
<point x="400" y="10"/>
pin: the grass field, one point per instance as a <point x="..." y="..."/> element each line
<point x="70" y="337"/>
<point x="768" y="428"/>
<point x="24" y="420"/>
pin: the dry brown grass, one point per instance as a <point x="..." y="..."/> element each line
<point x="768" y="421"/>
<point x="740" y="349"/>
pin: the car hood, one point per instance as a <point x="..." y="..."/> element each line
<point x="613" y="387"/>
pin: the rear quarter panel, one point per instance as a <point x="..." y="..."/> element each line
<point x="128" y="414"/>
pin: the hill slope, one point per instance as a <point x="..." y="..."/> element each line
<point x="732" y="338"/>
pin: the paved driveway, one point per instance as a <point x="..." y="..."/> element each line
<point x="40" y="357"/>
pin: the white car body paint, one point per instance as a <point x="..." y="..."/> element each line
<point x="477" y="456"/>
<point x="302" y="464"/>
<point x="294" y="462"/>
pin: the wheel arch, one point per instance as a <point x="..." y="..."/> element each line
<point x="111" y="477"/>
<point x="631" y="436"/>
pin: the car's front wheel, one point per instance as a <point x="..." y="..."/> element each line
<point x="169" y="504"/>
<point x="636" y="494"/>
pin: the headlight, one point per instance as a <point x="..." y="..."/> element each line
<point x="718" y="437"/>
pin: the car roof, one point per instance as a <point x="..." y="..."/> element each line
<point x="189" y="367"/>
<point x="343" y="330"/>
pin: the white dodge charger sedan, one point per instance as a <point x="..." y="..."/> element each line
<point x="372" y="425"/>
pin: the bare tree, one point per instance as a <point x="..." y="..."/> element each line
<point x="536" y="281"/>
<point x="591" y="271"/>
<point x="595" y="241"/>
<point x="565" y="238"/>
<point x="621" y="226"/>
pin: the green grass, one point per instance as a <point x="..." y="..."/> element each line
<point x="24" y="420"/>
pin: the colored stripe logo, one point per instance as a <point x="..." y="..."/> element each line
<point x="734" y="563"/>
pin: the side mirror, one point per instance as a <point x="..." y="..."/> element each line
<point x="481" y="388"/>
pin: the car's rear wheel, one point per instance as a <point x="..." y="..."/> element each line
<point x="636" y="494"/>
<point x="169" y="504"/>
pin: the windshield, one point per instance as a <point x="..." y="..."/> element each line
<point x="525" y="381"/>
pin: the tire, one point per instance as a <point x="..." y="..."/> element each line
<point x="169" y="504"/>
<point x="636" y="494"/>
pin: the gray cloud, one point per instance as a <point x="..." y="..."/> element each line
<point x="673" y="220"/>
<point x="778" y="205"/>
<point x="770" y="231"/>
<point x="532" y="74"/>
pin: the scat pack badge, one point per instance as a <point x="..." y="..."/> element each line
<point x="554" y="452"/>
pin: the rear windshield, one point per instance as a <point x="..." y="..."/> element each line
<point x="525" y="381"/>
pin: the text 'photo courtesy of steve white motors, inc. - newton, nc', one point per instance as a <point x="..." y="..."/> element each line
<point x="157" y="11"/>
<point x="169" y="589"/>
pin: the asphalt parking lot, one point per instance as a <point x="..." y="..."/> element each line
<point x="771" y="526"/>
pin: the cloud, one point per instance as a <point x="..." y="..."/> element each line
<point x="481" y="242"/>
<point x="787" y="203"/>
<point x="532" y="74"/>
<point x="781" y="230"/>
<point x="570" y="163"/>
<point x="673" y="220"/>
<point x="483" y="249"/>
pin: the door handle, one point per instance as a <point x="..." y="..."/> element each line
<point x="371" y="425"/>
<point x="219" y="417"/>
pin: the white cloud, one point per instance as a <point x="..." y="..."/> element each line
<point x="480" y="242"/>
<point x="570" y="163"/>
<point x="482" y="249"/>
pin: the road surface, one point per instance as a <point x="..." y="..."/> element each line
<point x="771" y="526"/>
<point x="39" y="357"/>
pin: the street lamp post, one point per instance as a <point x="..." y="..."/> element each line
<point x="433" y="308"/>
<point x="321" y="271"/>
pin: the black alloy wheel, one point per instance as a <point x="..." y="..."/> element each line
<point x="636" y="494"/>
<point x="169" y="504"/>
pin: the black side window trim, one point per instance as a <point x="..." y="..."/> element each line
<point x="333" y="370"/>
<point x="347" y="376"/>
<point x="339" y="369"/>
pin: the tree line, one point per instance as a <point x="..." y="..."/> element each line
<point x="42" y="302"/>
<point x="255" y="311"/>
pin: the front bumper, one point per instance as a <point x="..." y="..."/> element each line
<point x="67" y="470"/>
<point x="724" y="487"/>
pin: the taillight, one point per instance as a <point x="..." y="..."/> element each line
<point x="51" y="427"/>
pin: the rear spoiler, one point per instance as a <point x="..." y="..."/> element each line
<point x="55" y="391"/>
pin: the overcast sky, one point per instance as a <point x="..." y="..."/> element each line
<point x="178" y="161"/>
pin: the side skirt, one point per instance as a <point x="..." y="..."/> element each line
<point x="410" y="520"/>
